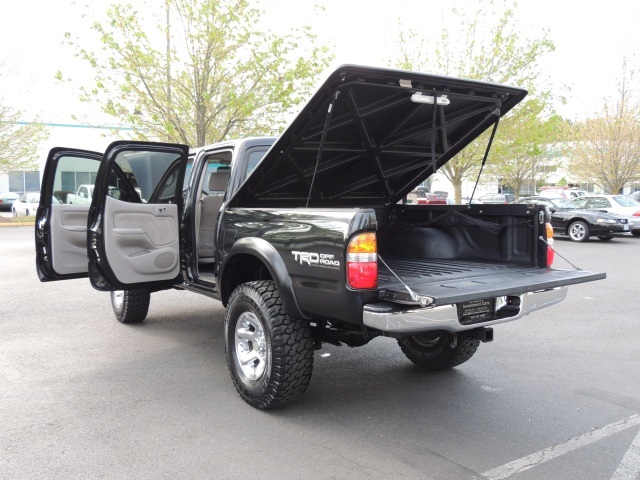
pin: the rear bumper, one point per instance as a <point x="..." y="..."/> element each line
<point x="391" y="318"/>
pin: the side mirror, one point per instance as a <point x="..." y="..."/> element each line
<point x="552" y="210"/>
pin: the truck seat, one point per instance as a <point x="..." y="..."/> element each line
<point x="217" y="184"/>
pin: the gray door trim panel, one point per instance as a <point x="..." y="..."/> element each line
<point x="141" y="241"/>
<point x="69" y="238"/>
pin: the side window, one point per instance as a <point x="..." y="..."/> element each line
<point x="144" y="176"/>
<point x="598" y="203"/>
<point x="254" y="156"/>
<point x="216" y="173"/>
<point x="580" y="202"/>
<point x="71" y="172"/>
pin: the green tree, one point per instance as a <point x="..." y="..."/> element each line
<point x="202" y="73"/>
<point x="19" y="140"/>
<point x="486" y="45"/>
<point x="606" y="150"/>
<point x="523" y="153"/>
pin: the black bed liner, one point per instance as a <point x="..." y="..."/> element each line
<point x="455" y="281"/>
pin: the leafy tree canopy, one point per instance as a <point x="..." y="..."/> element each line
<point x="606" y="150"/>
<point x="19" y="140"/>
<point x="202" y="71"/>
<point x="485" y="45"/>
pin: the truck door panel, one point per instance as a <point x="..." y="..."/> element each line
<point x="61" y="227"/>
<point x="134" y="223"/>
<point x="69" y="238"/>
<point x="141" y="241"/>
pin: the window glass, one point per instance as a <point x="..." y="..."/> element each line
<point x="254" y="156"/>
<point x="599" y="202"/>
<point x="145" y="176"/>
<point x="626" y="201"/>
<point x="71" y="173"/>
<point x="581" y="202"/>
<point x="219" y="162"/>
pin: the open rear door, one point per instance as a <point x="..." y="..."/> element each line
<point x="134" y="234"/>
<point x="61" y="228"/>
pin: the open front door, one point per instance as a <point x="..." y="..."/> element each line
<point x="61" y="227"/>
<point x="134" y="235"/>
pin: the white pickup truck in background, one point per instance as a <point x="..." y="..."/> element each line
<point x="82" y="196"/>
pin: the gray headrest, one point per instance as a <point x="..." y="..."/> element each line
<point x="218" y="180"/>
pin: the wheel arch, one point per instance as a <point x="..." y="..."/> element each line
<point x="256" y="259"/>
<point x="574" y="220"/>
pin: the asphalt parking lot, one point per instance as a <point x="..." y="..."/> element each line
<point x="555" y="396"/>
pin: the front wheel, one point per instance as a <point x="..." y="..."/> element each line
<point x="269" y="354"/>
<point x="579" y="231"/>
<point x="131" y="306"/>
<point x="438" y="350"/>
<point x="635" y="233"/>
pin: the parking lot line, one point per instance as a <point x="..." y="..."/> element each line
<point x="629" y="468"/>
<point x="543" y="456"/>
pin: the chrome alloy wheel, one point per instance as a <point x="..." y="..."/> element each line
<point x="577" y="231"/>
<point x="117" y="297"/>
<point x="251" y="346"/>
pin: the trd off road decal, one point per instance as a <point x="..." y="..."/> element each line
<point x="316" y="259"/>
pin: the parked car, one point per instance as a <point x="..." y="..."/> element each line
<point x="467" y="201"/>
<point x="27" y="204"/>
<point x="421" y="197"/>
<point x="497" y="198"/>
<point x="579" y="224"/>
<point x="620" y="204"/>
<point x="7" y="199"/>
<point x="568" y="193"/>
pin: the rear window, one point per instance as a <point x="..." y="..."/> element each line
<point x="626" y="201"/>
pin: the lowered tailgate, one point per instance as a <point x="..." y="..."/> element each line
<point x="454" y="281"/>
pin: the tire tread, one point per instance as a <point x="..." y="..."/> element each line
<point x="292" y="348"/>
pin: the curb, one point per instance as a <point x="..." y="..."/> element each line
<point x="17" y="224"/>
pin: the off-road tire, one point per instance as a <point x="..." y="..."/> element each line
<point x="578" y="231"/>
<point x="131" y="306"/>
<point x="258" y="326"/>
<point x="434" y="351"/>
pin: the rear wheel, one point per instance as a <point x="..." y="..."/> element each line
<point x="269" y="354"/>
<point x="579" y="231"/>
<point x="438" y="350"/>
<point x="130" y="306"/>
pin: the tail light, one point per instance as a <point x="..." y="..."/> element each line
<point x="362" y="261"/>
<point x="550" y="253"/>
<point x="637" y="214"/>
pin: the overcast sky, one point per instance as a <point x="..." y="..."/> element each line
<point x="591" y="39"/>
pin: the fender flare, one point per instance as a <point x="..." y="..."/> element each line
<point x="270" y="257"/>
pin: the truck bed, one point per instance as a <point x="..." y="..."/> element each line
<point x="455" y="281"/>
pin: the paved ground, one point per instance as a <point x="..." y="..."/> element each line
<point x="556" y="395"/>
